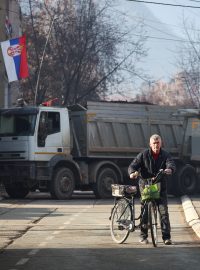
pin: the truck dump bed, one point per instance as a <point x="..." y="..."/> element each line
<point x="120" y="130"/>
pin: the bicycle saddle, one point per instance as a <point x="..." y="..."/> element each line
<point x="131" y="189"/>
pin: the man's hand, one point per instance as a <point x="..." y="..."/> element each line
<point x="168" y="171"/>
<point x="134" y="175"/>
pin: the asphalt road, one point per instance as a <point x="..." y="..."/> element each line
<point x="40" y="233"/>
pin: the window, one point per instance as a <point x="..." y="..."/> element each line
<point x="49" y="124"/>
<point x="17" y="124"/>
<point x="53" y="122"/>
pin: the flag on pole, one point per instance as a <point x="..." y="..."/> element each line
<point x="14" y="54"/>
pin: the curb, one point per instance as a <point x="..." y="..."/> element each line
<point x="191" y="215"/>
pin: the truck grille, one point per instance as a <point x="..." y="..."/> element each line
<point x="9" y="155"/>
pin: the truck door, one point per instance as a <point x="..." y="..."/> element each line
<point x="49" y="139"/>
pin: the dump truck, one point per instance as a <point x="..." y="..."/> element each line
<point x="60" y="150"/>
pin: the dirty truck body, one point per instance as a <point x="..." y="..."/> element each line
<point x="61" y="150"/>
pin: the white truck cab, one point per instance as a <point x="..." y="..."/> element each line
<point x="34" y="148"/>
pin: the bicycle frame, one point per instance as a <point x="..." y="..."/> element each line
<point x="131" y="203"/>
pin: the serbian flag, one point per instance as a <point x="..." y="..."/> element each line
<point x="14" y="54"/>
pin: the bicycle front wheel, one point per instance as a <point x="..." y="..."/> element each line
<point x="121" y="221"/>
<point x="152" y="216"/>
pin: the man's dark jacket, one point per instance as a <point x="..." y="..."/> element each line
<point x="145" y="163"/>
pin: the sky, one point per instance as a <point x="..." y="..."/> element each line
<point x="173" y="16"/>
<point x="165" y="31"/>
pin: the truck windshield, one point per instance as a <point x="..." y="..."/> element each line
<point x="17" y="124"/>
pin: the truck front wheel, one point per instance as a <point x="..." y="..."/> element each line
<point x="63" y="184"/>
<point x="16" y="190"/>
<point x="186" y="181"/>
<point x="102" y="187"/>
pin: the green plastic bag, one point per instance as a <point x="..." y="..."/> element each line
<point x="150" y="192"/>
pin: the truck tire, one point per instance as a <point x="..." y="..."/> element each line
<point x="62" y="184"/>
<point x="16" y="190"/>
<point x="186" y="181"/>
<point x="102" y="188"/>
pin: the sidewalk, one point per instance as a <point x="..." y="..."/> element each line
<point x="191" y="207"/>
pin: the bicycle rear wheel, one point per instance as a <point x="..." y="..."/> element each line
<point x="152" y="216"/>
<point x="121" y="221"/>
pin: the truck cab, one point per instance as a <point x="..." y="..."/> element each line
<point x="34" y="145"/>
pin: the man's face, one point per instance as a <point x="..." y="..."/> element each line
<point x="155" y="145"/>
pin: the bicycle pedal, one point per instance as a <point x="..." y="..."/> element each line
<point x="145" y="226"/>
<point x="131" y="227"/>
<point x="120" y="228"/>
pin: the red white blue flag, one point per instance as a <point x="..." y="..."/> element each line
<point x="14" y="54"/>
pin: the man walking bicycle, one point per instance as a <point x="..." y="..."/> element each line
<point x="148" y="163"/>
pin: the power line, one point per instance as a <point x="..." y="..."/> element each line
<point x="194" y="1"/>
<point x="150" y="26"/>
<point x="164" y="4"/>
<point x="143" y="20"/>
<point x="169" y="39"/>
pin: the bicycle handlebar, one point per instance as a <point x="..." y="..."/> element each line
<point x="156" y="179"/>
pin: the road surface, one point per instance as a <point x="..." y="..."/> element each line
<point x="40" y="233"/>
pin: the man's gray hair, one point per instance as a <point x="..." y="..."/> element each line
<point x="155" y="137"/>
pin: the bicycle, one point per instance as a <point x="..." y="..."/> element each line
<point x="123" y="220"/>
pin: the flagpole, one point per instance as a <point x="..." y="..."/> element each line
<point x="41" y="62"/>
<point x="7" y="87"/>
<point x="6" y="95"/>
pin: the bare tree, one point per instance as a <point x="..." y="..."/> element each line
<point x="83" y="51"/>
<point x="172" y="93"/>
<point x="189" y="63"/>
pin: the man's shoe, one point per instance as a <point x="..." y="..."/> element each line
<point x="168" y="242"/>
<point x="144" y="241"/>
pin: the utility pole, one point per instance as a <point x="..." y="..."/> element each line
<point x="10" y="12"/>
<point x="3" y="8"/>
<point x="43" y="54"/>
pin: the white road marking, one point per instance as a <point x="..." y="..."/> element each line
<point x="33" y="252"/>
<point x="22" y="261"/>
<point x="76" y="215"/>
<point x="85" y="209"/>
<point x="49" y="237"/>
<point x="67" y="222"/>
<point x="62" y="227"/>
<point x="42" y="244"/>
<point x="56" y="232"/>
